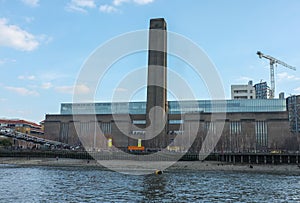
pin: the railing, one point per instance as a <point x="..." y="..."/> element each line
<point x="7" y="132"/>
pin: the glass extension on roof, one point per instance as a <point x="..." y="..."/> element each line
<point x="177" y="107"/>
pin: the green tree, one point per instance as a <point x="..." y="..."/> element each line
<point x="5" y="143"/>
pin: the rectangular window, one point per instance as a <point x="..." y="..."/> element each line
<point x="175" y="132"/>
<point x="175" y="121"/>
<point x="235" y="127"/>
<point x="64" y="129"/>
<point x="210" y="126"/>
<point x="138" y="132"/>
<point x="106" y="127"/>
<point x="84" y="128"/>
<point x="240" y="91"/>
<point x="240" y="97"/>
<point x="261" y="133"/>
<point x="139" y="122"/>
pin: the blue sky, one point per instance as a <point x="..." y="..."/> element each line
<point x="43" y="44"/>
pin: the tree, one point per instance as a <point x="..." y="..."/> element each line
<point x="5" y="143"/>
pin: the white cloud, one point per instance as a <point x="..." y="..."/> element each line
<point x="32" y="3"/>
<point x="23" y="91"/>
<point x="107" y="9"/>
<point x="29" y="19"/>
<point x="120" y="2"/>
<point x="285" y="76"/>
<point x="143" y="2"/>
<point x="80" y="89"/>
<point x="117" y="3"/>
<point x="51" y="76"/>
<point x="14" y="37"/>
<point x="297" y="90"/>
<point x="46" y="85"/>
<point x="84" y="3"/>
<point x="140" y="2"/>
<point x="3" y="100"/>
<point x="80" y="5"/>
<point x="44" y="38"/>
<point x="30" y="77"/>
<point x="5" y="60"/>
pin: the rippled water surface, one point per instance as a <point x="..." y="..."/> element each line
<point x="76" y="184"/>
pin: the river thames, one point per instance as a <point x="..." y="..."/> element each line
<point x="78" y="184"/>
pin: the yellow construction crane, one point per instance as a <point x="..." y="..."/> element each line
<point x="273" y="61"/>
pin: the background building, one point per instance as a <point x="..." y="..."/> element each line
<point x="261" y="90"/>
<point x="22" y="126"/>
<point x="243" y="91"/>
<point x="293" y="105"/>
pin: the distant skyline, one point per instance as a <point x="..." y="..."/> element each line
<point x="43" y="45"/>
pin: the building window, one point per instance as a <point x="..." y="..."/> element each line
<point x="240" y="91"/>
<point x="235" y="127"/>
<point x="139" y="122"/>
<point x="175" y="132"/>
<point x="63" y="135"/>
<point x="84" y="128"/>
<point x="240" y="97"/>
<point x="138" y="132"/>
<point x="106" y="127"/>
<point x="175" y="121"/>
<point x="210" y="126"/>
<point x="261" y="133"/>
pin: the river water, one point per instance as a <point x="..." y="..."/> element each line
<point x="78" y="184"/>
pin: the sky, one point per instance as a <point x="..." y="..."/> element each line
<point x="44" y="44"/>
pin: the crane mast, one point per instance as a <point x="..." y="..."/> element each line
<point x="273" y="61"/>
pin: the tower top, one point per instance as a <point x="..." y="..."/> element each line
<point x="158" y="23"/>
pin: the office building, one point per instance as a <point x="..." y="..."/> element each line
<point x="243" y="91"/>
<point x="261" y="90"/>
